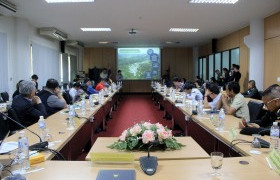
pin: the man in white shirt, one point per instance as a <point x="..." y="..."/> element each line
<point x="214" y="93"/>
<point x="192" y="92"/>
<point x="75" y="92"/>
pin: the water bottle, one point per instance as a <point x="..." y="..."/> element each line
<point x="184" y="98"/>
<point x="200" y="108"/>
<point x="42" y="127"/>
<point x="221" y="121"/>
<point x="23" y="151"/>
<point x="274" y="136"/>
<point x="83" y="106"/>
<point x="71" y="115"/>
<point x="194" y="103"/>
<point x="91" y="101"/>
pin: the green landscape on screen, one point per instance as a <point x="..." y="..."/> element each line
<point x="139" y="63"/>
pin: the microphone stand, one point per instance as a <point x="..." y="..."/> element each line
<point x="40" y="145"/>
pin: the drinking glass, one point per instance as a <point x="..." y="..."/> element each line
<point x="216" y="162"/>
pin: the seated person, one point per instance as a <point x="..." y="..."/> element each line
<point x="101" y="85"/>
<point x="271" y="100"/>
<point x="35" y="78"/>
<point x="177" y="84"/>
<point x="89" y="88"/>
<point x="234" y="102"/>
<point x="17" y="91"/>
<point x="75" y="92"/>
<point x="199" y="85"/>
<point x="214" y="93"/>
<point x="52" y="97"/>
<point x="119" y="76"/>
<point x="252" y="91"/>
<point x="192" y="92"/>
<point x="27" y="106"/>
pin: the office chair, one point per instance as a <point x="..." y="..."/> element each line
<point x="67" y="97"/>
<point x="4" y="127"/>
<point x="13" y="126"/>
<point x="5" y="96"/>
<point x="255" y="110"/>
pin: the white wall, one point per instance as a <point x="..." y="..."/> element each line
<point x="20" y="35"/>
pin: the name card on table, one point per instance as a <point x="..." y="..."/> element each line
<point x="273" y="160"/>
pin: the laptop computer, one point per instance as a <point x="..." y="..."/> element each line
<point x="116" y="175"/>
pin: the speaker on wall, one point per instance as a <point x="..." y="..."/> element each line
<point x="214" y="45"/>
<point x="62" y="46"/>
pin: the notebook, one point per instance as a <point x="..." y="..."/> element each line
<point x="116" y="175"/>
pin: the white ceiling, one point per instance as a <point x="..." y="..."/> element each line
<point x="151" y="18"/>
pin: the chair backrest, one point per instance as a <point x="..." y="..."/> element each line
<point x="5" y="96"/>
<point x="255" y="109"/>
<point x="4" y="127"/>
<point x="12" y="114"/>
<point x="67" y="97"/>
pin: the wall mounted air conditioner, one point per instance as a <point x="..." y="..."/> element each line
<point x="7" y="8"/>
<point x="74" y="43"/>
<point x="53" y="33"/>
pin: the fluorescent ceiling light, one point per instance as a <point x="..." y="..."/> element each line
<point x="103" y="42"/>
<point x="68" y="1"/>
<point x="214" y="1"/>
<point x="183" y="30"/>
<point x="171" y="42"/>
<point x="96" y="29"/>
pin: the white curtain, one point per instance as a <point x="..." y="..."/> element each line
<point x="65" y="70"/>
<point x="45" y="63"/>
<point x="73" y="67"/>
<point x="4" y="86"/>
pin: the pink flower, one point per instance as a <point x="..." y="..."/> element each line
<point x="147" y="125"/>
<point x="159" y="126"/>
<point x="148" y="136"/>
<point x="163" y="134"/>
<point x="135" y="130"/>
<point x="123" y="136"/>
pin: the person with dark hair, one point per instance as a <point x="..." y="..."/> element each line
<point x="52" y="98"/>
<point x="236" y="75"/>
<point x="214" y="93"/>
<point x="234" y="102"/>
<point x="119" y="76"/>
<point x="177" y="84"/>
<point x="225" y="78"/>
<point x="252" y="91"/>
<point x="192" y="92"/>
<point x="213" y="80"/>
<point x="27" y="105"/>
<point x="199" y="85"/>
<point x="101" y="85"/>
<point x="89" y="88"/>
<point x="271" y="100"/>
<point x="17" y="90"/>
<point x="219" y="75"/>
<point x="104" y="74"/>
<point x="76" y="91"/>
<point x="35" y="78"/>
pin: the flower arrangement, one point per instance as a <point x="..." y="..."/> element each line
<point x="142" y="135"/>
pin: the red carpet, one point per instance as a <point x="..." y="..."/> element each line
<point x="131" y="110"/>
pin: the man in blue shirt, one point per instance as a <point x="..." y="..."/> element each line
<point x="89" y="88"/>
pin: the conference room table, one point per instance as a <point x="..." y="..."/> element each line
<point x="191" y="150"/>
<point x="71" y="142"/>
<point x="202" y="130"/>
<point x="167" y="170"/>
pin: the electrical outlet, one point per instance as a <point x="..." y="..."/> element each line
<point x="278" y="79"/>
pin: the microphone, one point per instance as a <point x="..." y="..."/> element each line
<point x="149" y="163"/>
<point x="39" y="145"/>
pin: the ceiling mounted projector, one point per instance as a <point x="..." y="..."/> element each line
<point x="132" y="32"/>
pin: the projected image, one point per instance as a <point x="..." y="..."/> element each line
<point x="139" y="63"/>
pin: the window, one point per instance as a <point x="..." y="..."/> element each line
<point x="204" y="69"/>
<point x="200" y="68"/>
<point x="4" y="86"/>
<point x="65" y="68"/>
<point x="235" y="56"/>
<point x="211" y="66"/>
<point x="225" y="59"/>
<point x="45" y="63"/>
<point x="73" y="67"/>
<point x="218" y="61"/>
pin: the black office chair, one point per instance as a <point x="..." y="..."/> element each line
<point x="4" y="127"/>
<point x="67" y="97"/>
<point x="256" y="110"/>
<point x="5" y="96"/>
<point x="13" y="126"/>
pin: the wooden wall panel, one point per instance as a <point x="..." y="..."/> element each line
<point x="178" y="59"/>
<point x="233" y="40"/>
<point x="272" y="61"/>
<point x="272" y="26"/>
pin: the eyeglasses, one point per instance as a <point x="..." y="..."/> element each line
<point x="268" y="102"/>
